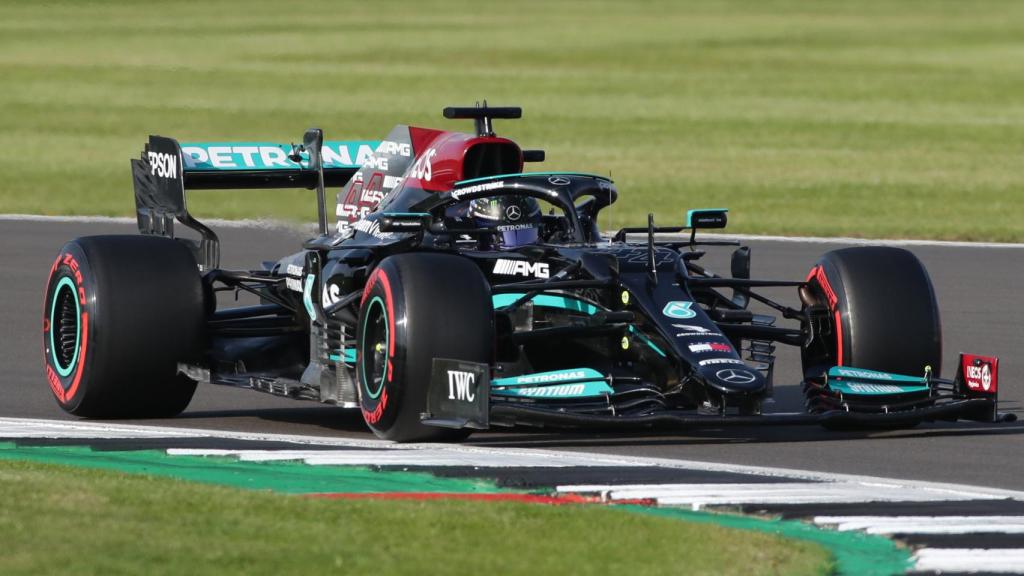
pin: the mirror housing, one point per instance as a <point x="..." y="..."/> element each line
<point x="707" y="218"/>
<point x="406" y="222"/>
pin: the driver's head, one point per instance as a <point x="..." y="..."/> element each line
<point x="518" y="218"/>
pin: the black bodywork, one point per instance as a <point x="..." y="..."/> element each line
<point x="676" y="344"/>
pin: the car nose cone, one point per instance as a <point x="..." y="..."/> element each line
<point x="734" y="379"/>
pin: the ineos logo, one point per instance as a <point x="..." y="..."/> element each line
<point x="733" y="376"/>
<point x="422" y="169"/>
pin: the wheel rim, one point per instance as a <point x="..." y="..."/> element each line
<point x="374" y="348"/>
<point x="65" y="327"/>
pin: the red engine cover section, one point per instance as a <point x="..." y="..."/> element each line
<point x="441" y="158"/>
<point x="980" y="373"/>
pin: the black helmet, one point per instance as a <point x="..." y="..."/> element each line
<point x="518" y="218"/>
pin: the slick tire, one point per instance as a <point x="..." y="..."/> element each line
<point x="120" y="312"/>
<point x="882" y="310"/>
<point x="417" y="307"/>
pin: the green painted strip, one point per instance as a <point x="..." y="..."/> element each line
<point x="290" y="477"/>
<point x="854" y="552"/>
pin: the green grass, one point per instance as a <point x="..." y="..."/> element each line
<point x="57" y="519"/>
<point x="874" y="118"/>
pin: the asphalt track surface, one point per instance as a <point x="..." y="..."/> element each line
<point x="978" y="291"/>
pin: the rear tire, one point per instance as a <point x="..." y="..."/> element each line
<point x="882" y="310"/>
<point x="120" y="313"/>
<point x="417" y="307"/>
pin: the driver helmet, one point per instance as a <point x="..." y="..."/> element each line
<point x="518" y="218"/>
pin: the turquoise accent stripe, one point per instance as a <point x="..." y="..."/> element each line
<point x="65" y="282"/>
<point x="852" y="373"/>
<point x="873" y="388"/>
<point x="566" y="303"/>
<point x="646" y="340"/>
<point x="555" y="376"/>
<point x="528" y="174"/>
<point x="307" y="296"/>
<point x="376" y="301"/>
<point x="271" y="155"/>
<point x="691" y="213"/>
<point x="547" y="301"/>
<point x="557" y="391"/>
<point x="407" y="214"/>
<point x="860" y="381"/>
<point x="558" y="384"/>
<point x="350" y="356"/>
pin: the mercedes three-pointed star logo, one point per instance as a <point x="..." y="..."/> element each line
<point x="513" y="213"/>
<point x="734" y="376"/>
<point x="559" y="180"/>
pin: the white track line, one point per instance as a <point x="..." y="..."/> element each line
<point x="702" y="495"/>
<point x="305" y="227"/>
<point x="393" y="457"/>
<point x="1008" y="560"/>
<point x="925" y="524"/>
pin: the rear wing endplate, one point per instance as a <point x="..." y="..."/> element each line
<point x="167" y="169"/>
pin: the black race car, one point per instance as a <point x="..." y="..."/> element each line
<point x="457" y="292"/>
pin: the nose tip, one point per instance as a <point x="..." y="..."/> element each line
<point x="734" y="379"/>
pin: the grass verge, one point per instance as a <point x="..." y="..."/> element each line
<point x="872" y="119"/>
<point x="58" y="519"/>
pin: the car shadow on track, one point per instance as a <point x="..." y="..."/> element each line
<point x="739" y="435"/>
<point x="330" y="421"/>
<point x="302" y="420"/>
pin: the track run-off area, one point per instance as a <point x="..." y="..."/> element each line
<point x="954" y="493"/>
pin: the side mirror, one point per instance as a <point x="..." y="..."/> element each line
<point x="707" y="218"/>
<point x="533" y="155"/>
<point x="407" y="222"/>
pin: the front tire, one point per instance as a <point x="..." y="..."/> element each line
<point x="417" y="307"/>
<point x="882" y="312"/>
<point x="120" y="313"/>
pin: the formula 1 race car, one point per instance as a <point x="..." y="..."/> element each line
<point x="457" y="292"/>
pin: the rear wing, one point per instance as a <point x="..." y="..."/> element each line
<point x="167" y="169"/>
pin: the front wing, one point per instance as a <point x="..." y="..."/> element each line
<point x="906" y="401"/>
